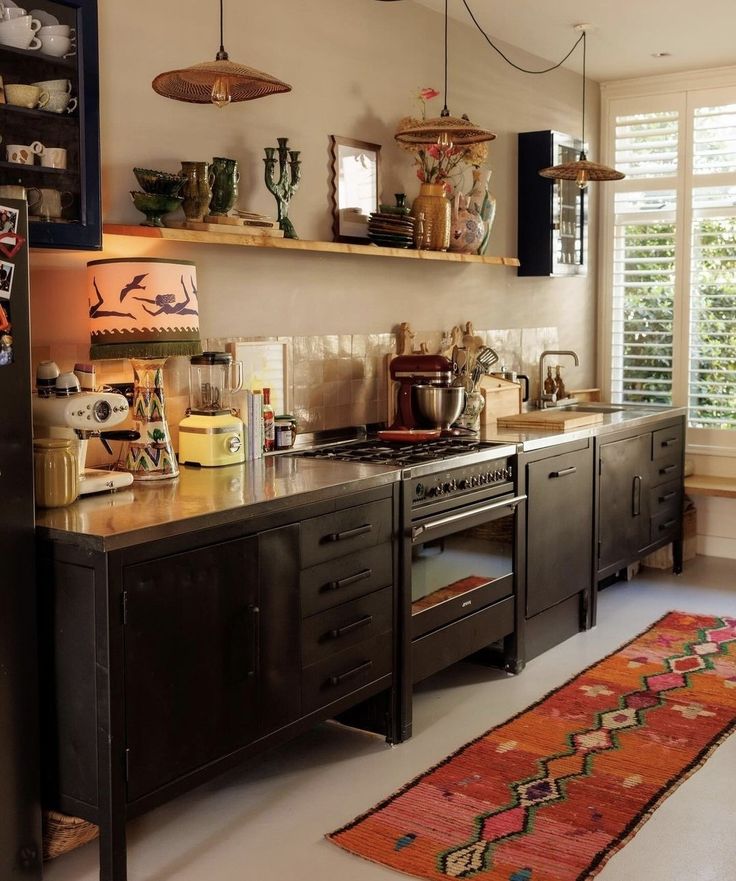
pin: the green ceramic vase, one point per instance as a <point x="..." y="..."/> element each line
<point x="225" y="177"/>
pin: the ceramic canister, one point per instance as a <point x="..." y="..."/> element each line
<point x="197" y="190"/>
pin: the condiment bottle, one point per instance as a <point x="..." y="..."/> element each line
<point x="268" y="421"/>
<point x="560" y="390"/>
<point x="55" y="471"/>
<point x="549" y="383"/>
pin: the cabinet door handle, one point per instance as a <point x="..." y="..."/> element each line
<point x="636" y="500"/>
<point x="668" y="469"/>
<point x="667" y="496"/>
<point x="563" y="472"/>
<point x="668" y="525"/>
<point x="255" y="642"/>
<point x="670" y="442"/>
<point x="337" y="632"/>
<point x="350" y="533"/>
<point x="348" y="674"/>
<point x="348" y="580"/>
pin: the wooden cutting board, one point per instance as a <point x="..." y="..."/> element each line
<point x="551" y="420"/>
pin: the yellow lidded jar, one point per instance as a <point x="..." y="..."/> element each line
<point x="56" y="472"/>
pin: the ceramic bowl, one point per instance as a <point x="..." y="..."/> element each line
<point x="155" y="205"/>
<point x="158" y="182"/>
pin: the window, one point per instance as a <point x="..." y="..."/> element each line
<point x="669" y="254"/>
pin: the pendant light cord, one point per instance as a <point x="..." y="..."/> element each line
<point x="506" y="58"/>
<point x="222" y="54"/>
<point x="445" y="111"/>
<point x="582" y="134"/>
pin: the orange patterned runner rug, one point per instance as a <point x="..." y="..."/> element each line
<point x="554" y="792"/>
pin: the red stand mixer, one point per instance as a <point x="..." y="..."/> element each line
<point x="416" y="370"/>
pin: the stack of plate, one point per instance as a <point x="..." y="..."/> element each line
<point x="391" y="230"/>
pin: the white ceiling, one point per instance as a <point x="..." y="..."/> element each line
<point x="624" y="34"/>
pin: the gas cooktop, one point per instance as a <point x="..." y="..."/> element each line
<point x="405" y="455"/>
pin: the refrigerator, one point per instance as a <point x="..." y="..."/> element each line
<point x="20" y="813"/>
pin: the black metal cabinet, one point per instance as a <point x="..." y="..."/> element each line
<point x="552" y="233"/>
<point x="64" y="203"/>
<point x="559" y="543"/>
<point x="168" y="662"/>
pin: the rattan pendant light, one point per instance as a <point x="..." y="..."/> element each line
<point x="444" y="129"/>
<point x="218" y="82"/>
<point x="582" y="170"/>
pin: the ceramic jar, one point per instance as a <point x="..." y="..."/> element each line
<point x="468" y="228"/>
<point x="474" y="404"/>
<point x="225" y="177"/>
<point x="433" y="215"/>
<point x="197" y="190"/>
<point x="479" y="196"/>
<point x="55" y="472"/>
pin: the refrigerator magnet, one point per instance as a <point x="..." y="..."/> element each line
<point x="6" y="350"/>
<point x="4" y="320"/>
<point x="8" y="219"/>
<point x="7" y="271"/>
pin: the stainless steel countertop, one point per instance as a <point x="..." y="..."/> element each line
<point x="629" y="417"/>
<point x="202" y="498"/>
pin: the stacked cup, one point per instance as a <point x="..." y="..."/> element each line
<point x="58" y="40"/>
<point x="59" y="96"/>
<point x="20" y="31"/>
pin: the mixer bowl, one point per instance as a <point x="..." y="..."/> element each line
<point x="439" y="405"/>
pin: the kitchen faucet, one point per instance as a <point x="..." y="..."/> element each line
<point x="546" y="400"/>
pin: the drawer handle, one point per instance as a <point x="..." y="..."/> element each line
<point x="349" y="628"/>
<point x="667" y="496"/>
<point x="255" y="616"/>
<point x="668" y="525"/>
<point x="563" y="472"/>
<point x="350" y="579"/>
<point x="348" y="674"/>
<point x="668" y="469"/>
<point x="636" y="496"/>
<point x="670" y="442"/>
<point x="350" y="533"/>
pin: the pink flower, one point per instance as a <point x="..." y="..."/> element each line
<point x="428" y="94"/>
<point x="434" y="151"/>
<point x="420" y="175"/>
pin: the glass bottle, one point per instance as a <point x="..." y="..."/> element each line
<point x="268" y="421"/>
<point x="560" y="390"/>
<point x="549" y="383"/>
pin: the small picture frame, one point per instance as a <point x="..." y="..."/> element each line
<point x="356" y="187"/>
<point x="8" y="219"/>
<point x="2" y="91"/>
<point x="7" y="271"/>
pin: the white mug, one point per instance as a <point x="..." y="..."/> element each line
<point x="57" y="46"/>
<point x="13" y="191"/>
<point x="59" y="30"/>
<point x="11" y="12"/>
<point x="55" y="86"/>
<point x="52" y="157"/>
<point x="19" y="36"/>
<point x="23" y="154"/>
<point x="59" y="102"/>
<point x="49" y="203"/>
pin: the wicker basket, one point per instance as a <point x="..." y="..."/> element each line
<point x="62" y="833"/>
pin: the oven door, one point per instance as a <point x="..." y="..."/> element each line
<point x="461" y="561"/>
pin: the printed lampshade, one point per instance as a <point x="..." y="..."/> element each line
<point x="143" y="307"/>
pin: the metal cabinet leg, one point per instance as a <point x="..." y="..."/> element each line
<point x="677" y="556"/>
<point x="113" y="856"/>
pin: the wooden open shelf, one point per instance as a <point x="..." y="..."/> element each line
<point x="213" y="238"/>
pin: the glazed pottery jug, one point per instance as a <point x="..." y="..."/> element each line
<point x="468" y="228"/>
<point x="433" y="214"/>
<point x="225" y="177"/>
<point x="197" y="190"/>
<point x="480" y="196"/>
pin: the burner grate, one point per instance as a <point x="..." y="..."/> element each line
<point x="401" y="454"/>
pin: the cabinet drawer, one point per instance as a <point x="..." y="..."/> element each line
<point x="346" y="671"/>
<point x="667" y="469"/>
<point x="344" y="626"/>
<point x="667" y="443"/>
<point x="666" y="498"/>
<point x="665" y="526"/>
<point x="346" y="578"/>
<point x="342" y="532"/>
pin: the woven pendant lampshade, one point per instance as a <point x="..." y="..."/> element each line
<point x="582" y="170"/>
<point x="444" y="129"/>
<point x="218" y="82"/>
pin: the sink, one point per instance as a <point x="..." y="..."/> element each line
<point x="591" y="407"/>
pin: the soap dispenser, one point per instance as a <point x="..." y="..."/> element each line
<point x="560" y="390"/>
<point x="549" y="383"/>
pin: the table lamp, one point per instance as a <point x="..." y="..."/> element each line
<point x="145" y="309"/>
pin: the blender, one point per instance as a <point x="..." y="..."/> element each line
<point x="211" y="434"/>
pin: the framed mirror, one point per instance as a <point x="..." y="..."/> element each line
<point x="356" y="186"/>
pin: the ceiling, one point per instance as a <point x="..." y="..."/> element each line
<point x="623" y="36"/>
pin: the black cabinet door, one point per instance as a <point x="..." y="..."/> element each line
<point x="623" y="514"/>
<point x="559" y="529"/>
<point x="191" y="660"/>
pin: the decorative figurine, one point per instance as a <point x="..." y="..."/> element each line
<point x="288" y="181"/>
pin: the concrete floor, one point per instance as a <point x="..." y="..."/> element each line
<point x="266" y="821"/>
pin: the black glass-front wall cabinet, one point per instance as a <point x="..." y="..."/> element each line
<point x="552" y="234"/>
<point x="50" y="150"/>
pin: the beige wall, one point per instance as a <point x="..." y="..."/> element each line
<point x="354" y="65"/>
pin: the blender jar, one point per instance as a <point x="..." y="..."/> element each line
<point x="213" y="377"/>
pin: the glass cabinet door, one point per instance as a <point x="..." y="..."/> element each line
<point x="49" y="115"/>
<point x="567" y="214"/>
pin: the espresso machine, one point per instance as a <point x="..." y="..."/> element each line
<point x="64" y="411"/>
<point x="211" y="434"/>
<point x="410" y="371"/>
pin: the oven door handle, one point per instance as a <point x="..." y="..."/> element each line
<point x="424" y="530"/>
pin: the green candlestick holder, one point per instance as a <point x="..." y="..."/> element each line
<point x="287" y="183"/>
